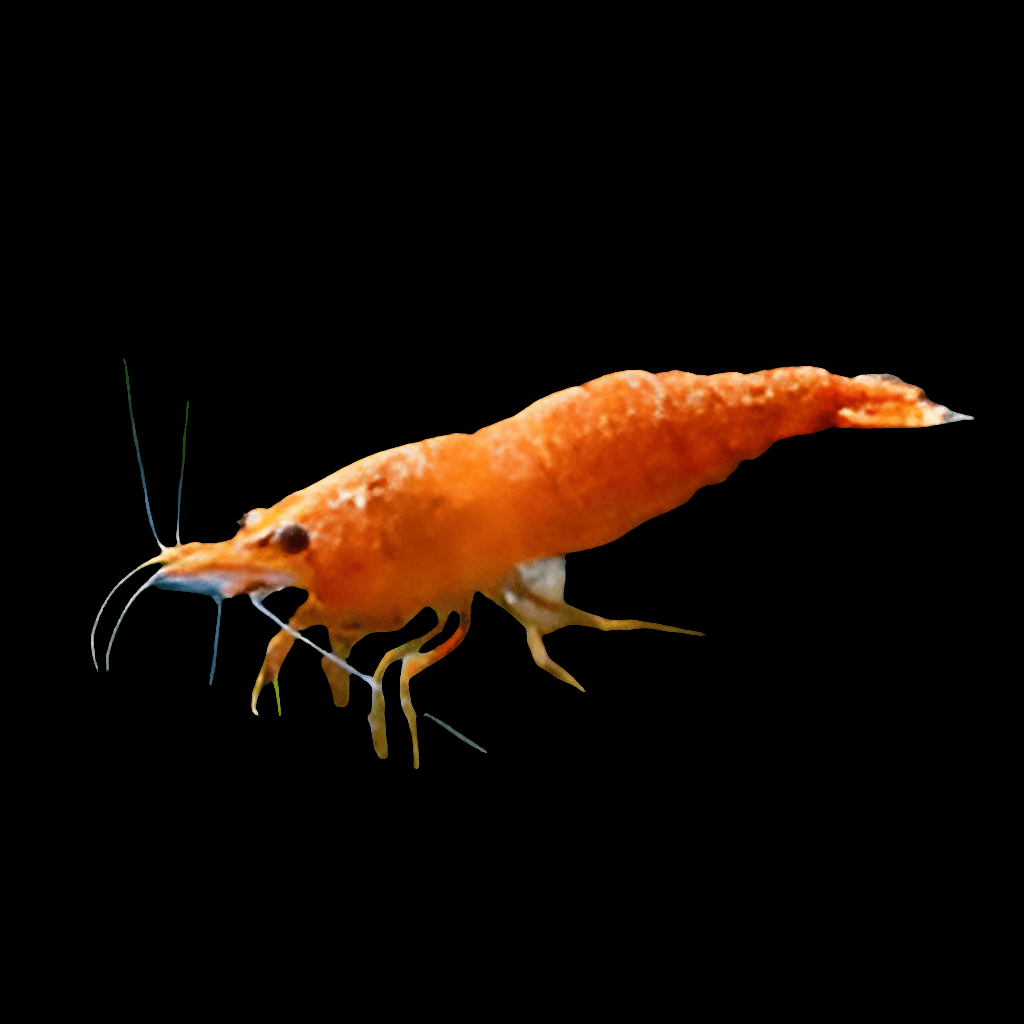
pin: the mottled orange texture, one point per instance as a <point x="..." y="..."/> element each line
<point x="429" y="524"/>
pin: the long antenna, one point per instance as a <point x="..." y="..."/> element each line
<point x="138" y="455"/>
<point x="181" y="480"/>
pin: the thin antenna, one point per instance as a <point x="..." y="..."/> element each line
<point x="138" y="455"/>
<point x="219" y="599"/>
<point x="177" y="528"/>
<point x="455" y="732"/>
<point x="131" y="601"/>
<point x="96" y="621"/>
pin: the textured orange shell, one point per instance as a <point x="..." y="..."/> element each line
<point x="430" y="523"/>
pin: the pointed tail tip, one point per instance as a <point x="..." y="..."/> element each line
<point x="951" y="417"/>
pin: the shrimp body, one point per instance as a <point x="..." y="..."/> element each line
<point x="429" y="524"/>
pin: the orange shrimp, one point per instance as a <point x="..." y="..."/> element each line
<point x="429" y="524"/>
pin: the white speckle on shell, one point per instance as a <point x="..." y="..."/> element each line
<point x="357" y="498"/>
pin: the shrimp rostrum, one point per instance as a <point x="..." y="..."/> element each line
<point x="429" y="524"/>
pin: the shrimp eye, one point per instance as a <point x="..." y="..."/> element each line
<point x="292" y="538"/>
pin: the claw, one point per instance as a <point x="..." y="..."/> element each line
<point x="256" y="694"/>
<point x="260" y="683"/>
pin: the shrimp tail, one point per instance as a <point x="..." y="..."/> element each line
<point x="882" y="400"/>
<point x="714" y="423"/>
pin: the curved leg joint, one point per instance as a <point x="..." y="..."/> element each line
<point x="277" y="650"/>
<point x="534" y="594"/>
<point x="543" y="660"/>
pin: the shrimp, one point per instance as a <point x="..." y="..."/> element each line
<point x="429" y="524"/>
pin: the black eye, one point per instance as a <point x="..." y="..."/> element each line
<point x="292" y="538"/>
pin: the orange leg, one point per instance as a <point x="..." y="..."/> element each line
<point x="534" y="594"/>
<point x="306" y="615"/>
<point x="277" y="650"/>
<point x="378" y="726"/>
<point x="337" y="677"/>
<point x="413" y="664"/>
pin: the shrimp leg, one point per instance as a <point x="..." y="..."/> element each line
<point x="378" y="726"/>
<point x="306" y="615"/>
<point x="337" y="677"/>
<point x="277" y="650"/>
<point x="533" y="593"/>
<point x="412" y="664"/>
<point x="415" y="663"/>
